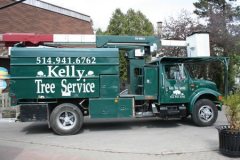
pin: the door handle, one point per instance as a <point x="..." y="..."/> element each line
<point x="163" y="82"/>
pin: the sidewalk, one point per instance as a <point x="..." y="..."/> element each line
<point x="7" y="119"/>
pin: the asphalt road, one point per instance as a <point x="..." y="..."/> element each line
<point x="119" y="139"/>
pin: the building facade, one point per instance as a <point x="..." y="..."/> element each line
<point x="35" y="16"/>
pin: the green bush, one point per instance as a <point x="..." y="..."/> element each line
<point x="232" y="103"/>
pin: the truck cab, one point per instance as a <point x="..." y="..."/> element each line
<point x="168" y="91"/>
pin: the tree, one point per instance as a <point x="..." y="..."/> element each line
<point x="131" y="23"/>
<point x="99" y="32"/>
<point x="221" y="17"/>
<point x="117" y="23"/>
<point x="178" y="28"/>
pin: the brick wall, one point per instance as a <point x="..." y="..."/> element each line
<point x="23" y="18"/>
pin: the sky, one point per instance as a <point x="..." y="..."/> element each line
<point x="101" y="10"/>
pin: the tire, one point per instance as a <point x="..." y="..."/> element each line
<point x="66" y="119"/>
<point x="204" y="113"/>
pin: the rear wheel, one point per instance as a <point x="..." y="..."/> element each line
<point x="205" y="113"/>
<point x="66" y="119"/>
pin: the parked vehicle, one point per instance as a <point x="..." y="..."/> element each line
<point x="64" y="85"/>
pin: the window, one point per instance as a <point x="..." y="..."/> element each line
<point x="175" y="72"/>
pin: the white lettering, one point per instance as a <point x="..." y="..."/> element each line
<point x="45" y="87"/>
<point x="73" y="71"/>
<point x="52" y="71"/>
<point x="64" y="86"/>
<point x="38" y="85"/>
<point x="61" y="72"/>
<point x="80" y="74"/>
<point x="68" y="71"/>
<point x="68" y="88"/>
<point x="92" y="87"/>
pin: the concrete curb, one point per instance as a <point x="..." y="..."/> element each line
<point x="8" y="119"/>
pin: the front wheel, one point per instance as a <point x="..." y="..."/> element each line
<point x="66" y="119"/>
<point x="204" y="113"/>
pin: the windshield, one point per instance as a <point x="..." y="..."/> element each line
<point x="199" y="71"/>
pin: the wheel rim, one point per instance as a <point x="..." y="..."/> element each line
<point x="67" y="120"/>
<point x="206" y="113"/>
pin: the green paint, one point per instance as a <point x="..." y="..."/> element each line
<point x="47" y="88"/>
<point x="111" y="107"/>
<point x="109" y="86"/>
<point x="127" y="42"/>
<point x="62" y="73"/>
<point x="200" y="92"/>
<point x="174" y="84"/>
<point x="135" y="76"/>
<point x="93" y="74"/>
<point x="151" y="81"/>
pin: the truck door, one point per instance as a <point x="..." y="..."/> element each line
<point x="174" y="84"/>
<point x="151" y="81"/>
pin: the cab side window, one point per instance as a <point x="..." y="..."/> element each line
<point x="175" y="72"/>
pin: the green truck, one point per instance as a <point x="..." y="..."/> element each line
<point x="64" y="85"/>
